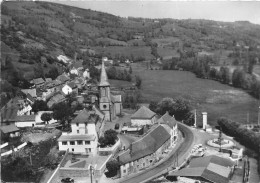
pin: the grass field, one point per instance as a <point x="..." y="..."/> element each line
<point x="136" y="51"/>
<point x="205" y="95"/>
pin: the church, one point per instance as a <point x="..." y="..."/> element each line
<point x="109" y="104"/>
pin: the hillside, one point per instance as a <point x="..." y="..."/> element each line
<point x="33" y="34"/>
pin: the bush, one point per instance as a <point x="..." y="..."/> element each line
<point x="112" y="167"/>
<point x="117" y="126"/>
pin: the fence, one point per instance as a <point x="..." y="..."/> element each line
<point x="15" y="149"/>
<point x="109" y="150"/>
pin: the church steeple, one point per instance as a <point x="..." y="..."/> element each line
<point x="103" y="76"/>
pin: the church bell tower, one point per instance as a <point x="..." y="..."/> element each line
<point x="104" y="94"/>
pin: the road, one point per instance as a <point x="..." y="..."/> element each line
<point x="182" y="150"/>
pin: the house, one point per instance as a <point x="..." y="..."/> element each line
<point x="24" y="108"/>
<point x="109" y="104"/>
<point x="56" y="98"/>
<point x="9" y="131"/>
<point x="143" y="116"/>
<point x="63" y="59"/>
<point x="38" y="82"/>
<point x="63" y="78"/>
<point x="212" y="169"/>
<point x="84" y="138"/>
<point x="86" y="74"/>
<point x="32" y="92"/>
<point x="69" y="88"/>
<point x="172" y="123"/>
<point x="25" y="121"/>
<point x="9" y="111"/>
<point x="145" y="151"/>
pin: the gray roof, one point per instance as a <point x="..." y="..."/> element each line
<point x="143" y="113"/>
<point x="25" y="118"/>
<point x="76" y="137"/>
<point x="147" y="145"/>
<point x="212" y="168"/>
<point x="103" y="76"/>
<point x="9" y="128"/>
<point x="38" y="81"/>
<point x="85" y="116"/>
<point x="167" y="119"/>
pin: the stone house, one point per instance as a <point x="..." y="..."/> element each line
<point x="9" y="131"/>
<point x="172" y="123"/>
<point x="143" y="116"/>
<point x="145" y="151"/>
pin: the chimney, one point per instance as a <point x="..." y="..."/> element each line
<point x="204" y="120"/>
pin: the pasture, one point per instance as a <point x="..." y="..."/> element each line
<point x="136" y="51"/>
<point x="205" y="95"/>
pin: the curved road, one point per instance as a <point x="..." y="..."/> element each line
<point x="182" y="151"/>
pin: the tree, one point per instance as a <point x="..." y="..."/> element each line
<point x="181" y="109"/>
<point x="138" y="81"/>
<point x="111" y="136"/>
<point x="46" y="117"/>
<point x="153" y="106"/>
<point x="130" y="70"/>
<point x="102" y="142"/>
<point x="112" y="167"/>
<point x="166" y="104"/>
<point x="39" y="105"/>
<point x="189" y="120"/>
<point x="62" y="111"/>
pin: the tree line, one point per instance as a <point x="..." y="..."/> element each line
<point x="244" y="136"/>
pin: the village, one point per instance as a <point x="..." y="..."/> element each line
<point x="105" y="143"/>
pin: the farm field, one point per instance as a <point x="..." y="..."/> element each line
<point x="205" y="95"/>
<point x="167" y="53"/>
<point x="136" y="51"/>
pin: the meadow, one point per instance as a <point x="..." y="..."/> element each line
<point x="136" y="51"/>
<point x="205" y="95"/>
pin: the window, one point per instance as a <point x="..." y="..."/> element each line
<point x="64" y="143"/>
<point x="72" y="143"/>
<point x="124" y="171"/>
<point x="72" y="149"/>
<point x="103" y="92"/>
<point x="151" y="161"/>
<point x="104" y="106"/>
<point x="77" y="131"/>
<point x="77" y="124"/>
<point x="143" y="164"/>
<point x="89" y="149"/>
<point x="79" y="142"/>
<point x="87" y="142"/>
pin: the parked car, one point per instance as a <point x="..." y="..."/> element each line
<point x="67" y="180"/>
<point x="117" y="126"/>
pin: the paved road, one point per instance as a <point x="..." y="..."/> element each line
<point x="182" y="150"/>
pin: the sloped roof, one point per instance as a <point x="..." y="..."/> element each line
<point x="32" y="92"/>
<point x="77" y="64"/>
<point x="48" y="79"/>
<point x="9" y="128"/>
<point x="30" y="97"/>
<point x="147" y="145"/>
<point x="9" y="111"/>
<point x="85" y="117"/>
<point x="76" y="137"/>
<point x="72" y="85"/>
<point x="167" y="119"/>
<point x="62" y="78"/>
<point x="116" y="98"/>
<point x="25" y="118"/>
<point x="212" y="168"/>
<point x="38" y="81"/>
<point x="103" y="76"/>
<point x="143" y="113"/>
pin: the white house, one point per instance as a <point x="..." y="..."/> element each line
<point x="83" y="139"/>
<point x="69" y="88"/>
<point x="143" y="116"/>
<point x="172" y="123"/>
<point x="25" y="121"/>
<point x="86" y="74"/>
<point x="63" y="58"/>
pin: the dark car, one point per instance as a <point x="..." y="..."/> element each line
<point x="67" y="180"/>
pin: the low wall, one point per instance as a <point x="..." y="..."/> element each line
<point x="109" y="150"/>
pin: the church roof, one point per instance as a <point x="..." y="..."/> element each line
<point x="143" y="113"/>
<point x="103" y="76"/>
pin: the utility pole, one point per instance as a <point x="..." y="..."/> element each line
<point x="247" y="117"/>
<point x="259" y="115"/>
<point x="91" y="174"/>
<point x="195" y="118"/>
